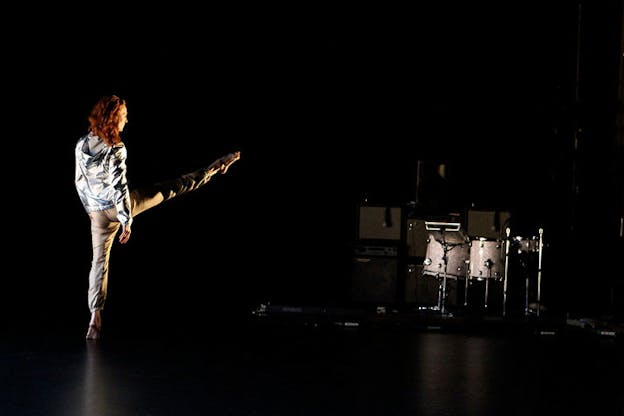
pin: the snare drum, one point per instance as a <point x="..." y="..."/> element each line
<point x="486" y="259"/>
<point x="456" y="259"/>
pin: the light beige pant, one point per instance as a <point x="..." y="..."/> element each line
<point x="104" y="226"/>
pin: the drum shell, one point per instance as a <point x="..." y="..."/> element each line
<point x="522" y="245"/>
<point x="456" y="259"/>
<point x="487" y="259"/>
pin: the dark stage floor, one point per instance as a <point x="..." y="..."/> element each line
<point x="288" y="360"/>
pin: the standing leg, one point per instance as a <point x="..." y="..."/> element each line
<point x="104" y="226"/>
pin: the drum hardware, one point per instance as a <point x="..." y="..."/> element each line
<point x="488" y="264"/>
<point x="539" y="270"/>
<point x="440" y="230"/>
<point x="527" y="283"/>
<point x="524" y="248"/>
<point x="507" y="245"/>
<point x="442" y="226"/>
<point x="527" y="246"/>
<point x="466" y="282"/>
<point x="486" y="254"/>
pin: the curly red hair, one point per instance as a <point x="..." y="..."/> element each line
<point x="104" y="119"/>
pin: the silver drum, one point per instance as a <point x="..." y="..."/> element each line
<point x="487" y="259"/>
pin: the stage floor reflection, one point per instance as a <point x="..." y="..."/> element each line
<point x="267" y="368"/>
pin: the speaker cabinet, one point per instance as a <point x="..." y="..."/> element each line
<point x="374" y="279"/>
<point x="417" y="237"/>
<point x="487" y="224"/>
<point x="379" y="223"/>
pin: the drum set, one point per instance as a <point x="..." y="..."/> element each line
<point x="452" y="254"/>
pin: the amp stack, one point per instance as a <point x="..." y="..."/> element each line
<point x="388" y="253"/>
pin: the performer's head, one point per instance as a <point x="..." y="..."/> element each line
<point x="108" y="119"/>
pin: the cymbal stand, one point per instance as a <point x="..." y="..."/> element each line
<point x="527" y="310"/>
<point x="539" y="270"/>
<point x="507" y="244"/>
<point x="525" y="267"/>
<point x="466" y="279"/>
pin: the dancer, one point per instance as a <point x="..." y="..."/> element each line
<point x="101" y="183"/>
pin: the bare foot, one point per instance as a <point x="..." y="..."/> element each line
<point x="228" y="160"/>
<point x="95" y="326"/>
<point x="93" y="333"/>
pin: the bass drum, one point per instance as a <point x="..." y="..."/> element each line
<point x="456" y="259"/>
<point x="487" y="259"/>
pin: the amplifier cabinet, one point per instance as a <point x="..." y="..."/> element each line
<point x="374" y="279"/>
<point x="380" y="223"/>
<point x="487" y="224"/>
<point x="417" y="237"/>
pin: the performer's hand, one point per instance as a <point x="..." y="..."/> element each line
<point x="125" y="234"/>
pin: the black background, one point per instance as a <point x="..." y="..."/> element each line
<point x="330" y="107"/>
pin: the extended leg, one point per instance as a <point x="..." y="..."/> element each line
<point x="148" y="197"/>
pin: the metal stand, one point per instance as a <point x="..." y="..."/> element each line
<point x="488" y="264"/>
<point x="507" y="244"/>
<point x="442" y="289"/>
<point x="539" y="271"/>
<point x="443" y="228"/>
<point x="525" y="266"/>
<point x="466" y="279"/>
